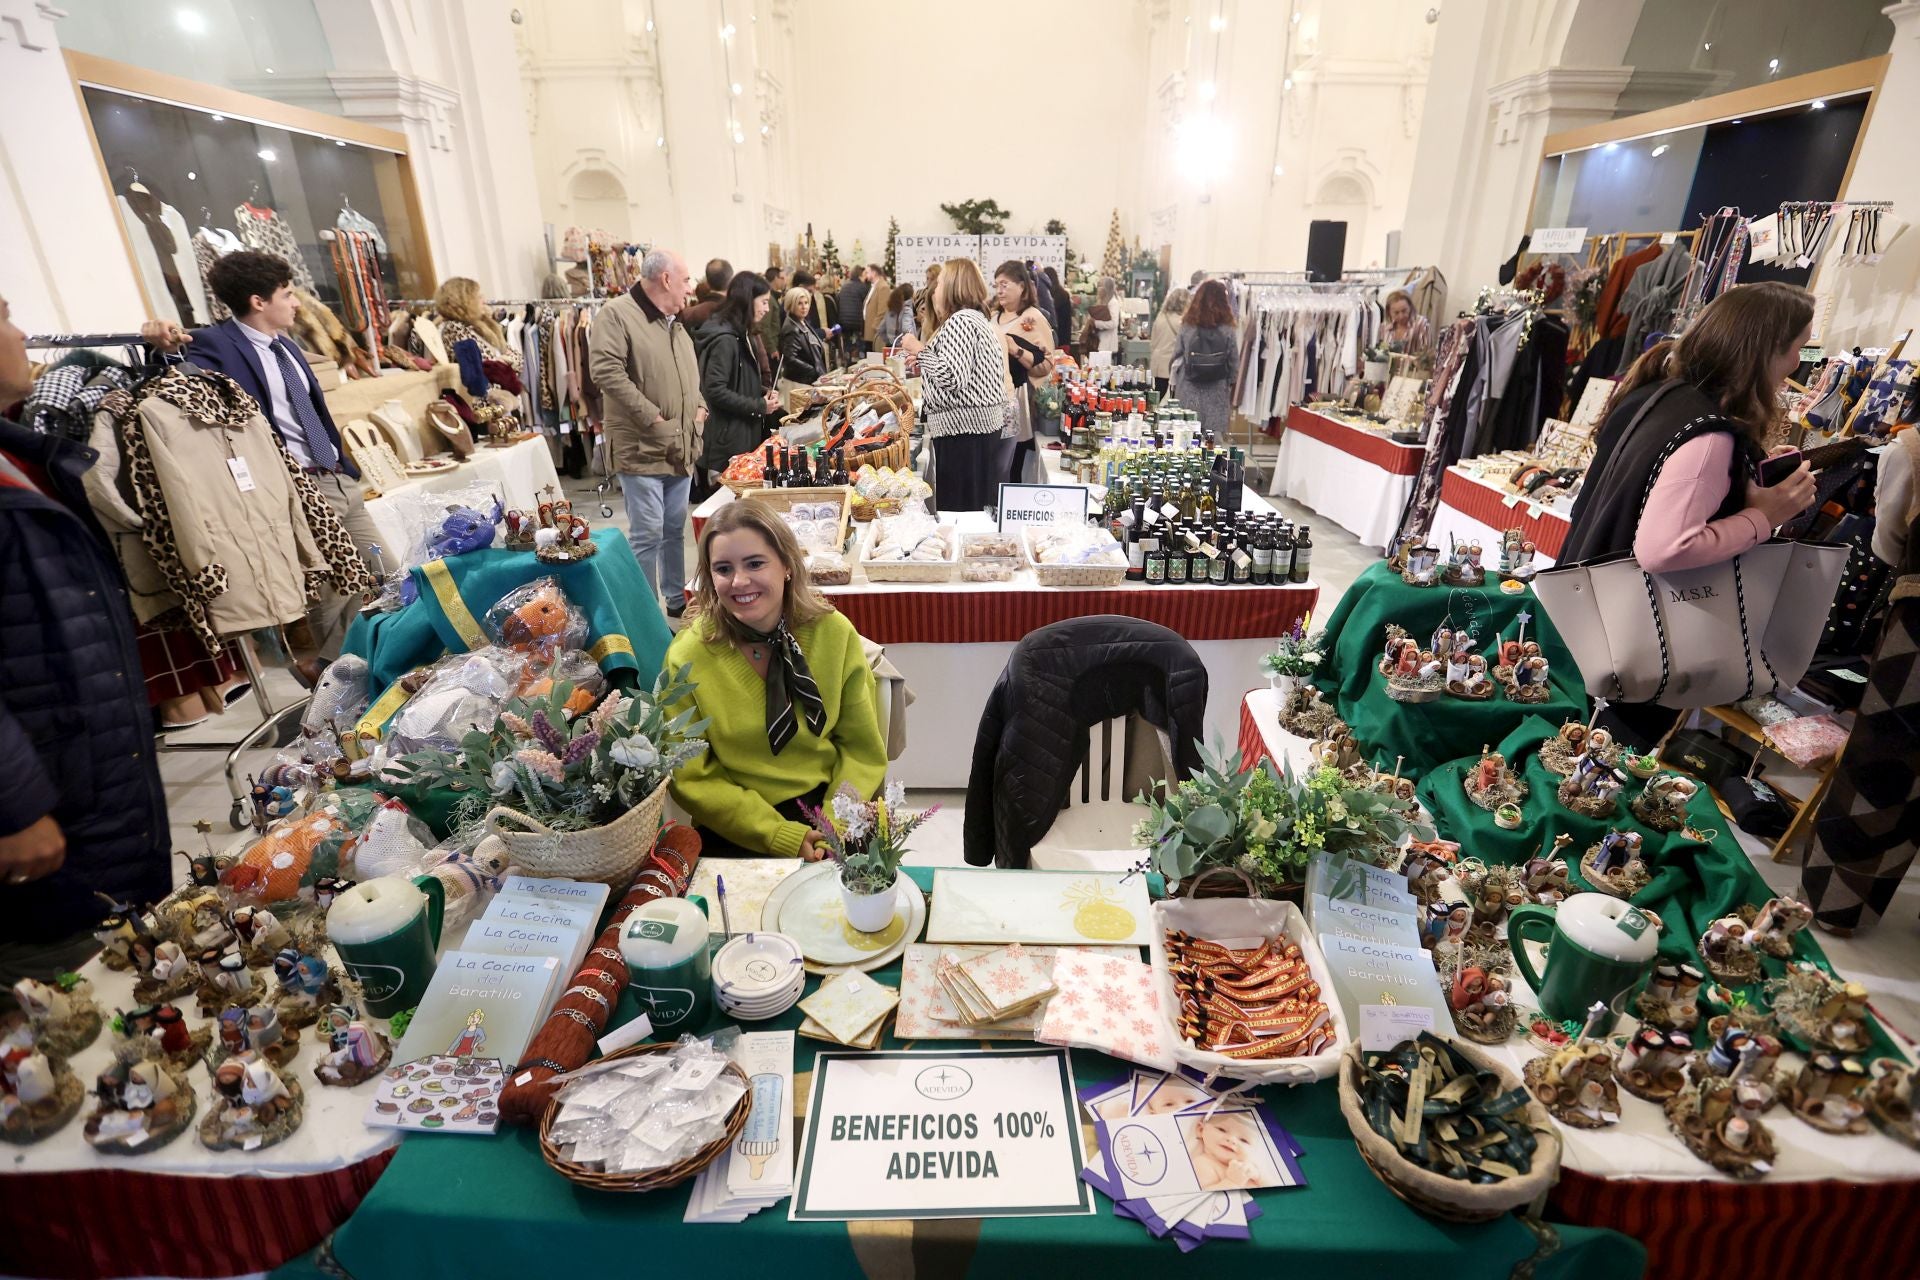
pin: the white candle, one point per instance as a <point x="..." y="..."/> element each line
<point x="374" y="909"/>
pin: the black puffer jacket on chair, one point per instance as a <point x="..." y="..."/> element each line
<point x="1061" y="681"/>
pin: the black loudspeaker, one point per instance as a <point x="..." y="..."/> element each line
<point x="1326" y="250"/>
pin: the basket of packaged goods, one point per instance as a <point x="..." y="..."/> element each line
<point x="818" y="515"/>
<point x="1075" y="555"/>
<point x="908" y="548"/>
<point x="990" y="557"/>
<point x="588" y="1133"/>
<point x="888" y="491"/>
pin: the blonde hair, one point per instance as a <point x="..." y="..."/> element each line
<point x="803" y="604"/>
<point x="792" y="299"/>
<point x="459" y="298"/>
<point x="961" y="288"/>
<point x="1176" y="303"/>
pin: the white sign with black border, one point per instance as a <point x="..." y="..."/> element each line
<point x="966" y="1134"/>
<point x="1026" y="505"/>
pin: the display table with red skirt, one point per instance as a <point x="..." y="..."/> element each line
<point x="1472" y="510"/>
<point x="1355" y="477"/>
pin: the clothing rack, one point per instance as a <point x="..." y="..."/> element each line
<point x="272" y="719"/>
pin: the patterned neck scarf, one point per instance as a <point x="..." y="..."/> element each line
<point x="789" y="680"/>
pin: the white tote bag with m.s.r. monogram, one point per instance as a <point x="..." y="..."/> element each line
<point x="1698" y="637"/>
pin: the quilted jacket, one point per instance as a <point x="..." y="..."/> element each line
<point x="1061" y="681"/>
<point x="76" y="738"/>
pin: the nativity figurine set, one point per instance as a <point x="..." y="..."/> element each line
<point x="553" y="531"/>
<point x="1614" y="864"/>
<point x="1574" y="1080"/>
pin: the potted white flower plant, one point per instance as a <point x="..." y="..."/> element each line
<point x="867" y="840"/>
<point x="1296" y="657"/>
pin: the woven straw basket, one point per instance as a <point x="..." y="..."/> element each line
<point x="1438" y="1196"/>
<point x="611" y="854"/>
<point x="673" y="1174"/>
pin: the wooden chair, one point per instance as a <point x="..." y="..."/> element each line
<point x="1094" y="831"/>
<point x="1805" y="810"/>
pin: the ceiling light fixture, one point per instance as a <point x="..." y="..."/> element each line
<point x="1217" y="23"/>
<point x="1278" y="170"/>
<point x="218" y="118"/>
<point x="660" y="140"/>
<point x="338" y="143"/>
<point x="192" y="176"/>
<point x="1708" y="46"/>
<point x="1773" y="65"/>
<point x="1819" y="104"/>
<point x="268" y="70"/>
<point x="191" y="21"/>
<point x="1660" y="151"/>
<point x="736" y="88"/>
<point x="1287" y="83"/>
<point x="268" y="154"/>
<point x="1207" y="91"/>
<point x="726" y="32"/>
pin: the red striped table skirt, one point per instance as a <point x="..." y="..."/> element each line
<point x="1369" y="446"/>
<point x="1253" y="743"/>
<point x="1761" y="1230"/>
<point x="1547" y="530"/>
<point x="120" y="1222"/>
<point x="1008" y="615"/>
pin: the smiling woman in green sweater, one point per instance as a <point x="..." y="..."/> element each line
<point x="783" y="685"/>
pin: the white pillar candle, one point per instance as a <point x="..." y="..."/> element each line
<point x="374" y="909"/>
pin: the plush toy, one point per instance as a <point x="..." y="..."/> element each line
<point x="537" y="620"/>
<point x="393" y="843"/>
<point x="292" y="854"/>
<point x="464" y="529"/>
<point x="468" y="876"/>
<point x="339" y="697"/>
<point x="577" y="669"/>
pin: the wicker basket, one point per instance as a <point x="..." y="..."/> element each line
<point x="611" y="854"/>
<point x="908" y="570"/>
<point x="671" y="1176"/>
<point x="1072" y="575"/>
<point x="1438" y="1196"/>
<point x="784" y="500"/>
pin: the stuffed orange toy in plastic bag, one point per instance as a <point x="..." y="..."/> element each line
<point x="537" y="620"/>
<point x="293" y="852"/>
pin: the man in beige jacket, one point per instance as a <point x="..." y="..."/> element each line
<point x="643" y="361"/>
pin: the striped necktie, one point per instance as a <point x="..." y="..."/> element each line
<point x="320" y="451"/>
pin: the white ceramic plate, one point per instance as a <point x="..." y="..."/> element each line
<point x="784" y="996"/>
<point x="806" y="907"/>
<point x="1063" y="908"/>
<point x="757" y="964"/>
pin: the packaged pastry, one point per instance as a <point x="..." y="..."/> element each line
<point x="989" y="546"/>
<point x="988" y="570"/>
<point x="828" y="569"/>
<point x="1075" y="544"/>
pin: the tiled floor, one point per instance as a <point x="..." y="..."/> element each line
<point x="1886" y="959"/>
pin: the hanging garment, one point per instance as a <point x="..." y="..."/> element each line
<point x="232" y="522"/>
<point x="265" y="230"/>
<point x="352" y="219"/>
<point x="1610" y="320"/>
<point x="1652" y="298"/>
<point x="1428" y="288"/>
<point x="1453" y="368"/>
<point x="65" y="397"/>
<point x="110" y="494"/>
<point x="210" y="244"/>
<point x="163" y="250"/>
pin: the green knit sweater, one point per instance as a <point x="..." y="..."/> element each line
<point x="733" y="786"/>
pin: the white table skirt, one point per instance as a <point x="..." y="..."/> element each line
<point x="517" y="474"/>
<point x="1361" y="498"/>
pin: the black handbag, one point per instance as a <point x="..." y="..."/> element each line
<point x="1707" y="756"/>
<point x="1756" y="807"/>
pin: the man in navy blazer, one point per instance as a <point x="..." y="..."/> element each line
<point x="253" y="349"/>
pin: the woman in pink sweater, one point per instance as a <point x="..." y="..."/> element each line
<point x="1689" y="419"/>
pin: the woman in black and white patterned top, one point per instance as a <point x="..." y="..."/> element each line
<point x="963" y="389"/>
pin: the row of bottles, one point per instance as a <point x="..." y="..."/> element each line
<point x="1177" y="483"/>
<point x="804" y="468"/>
<point x="1218" y="549"/>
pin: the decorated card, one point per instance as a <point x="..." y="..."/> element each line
<point x="1223" y="1149"/>
<point x="848" y="1004"/>
<point x="439" y="1094"/>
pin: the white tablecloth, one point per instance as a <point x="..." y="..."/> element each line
<point x="332" y="1136"/>
<point x="1361" y="498"/>
<point x="517" y="474"/>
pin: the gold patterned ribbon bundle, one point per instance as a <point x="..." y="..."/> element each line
<point x="1249" y="1003"/>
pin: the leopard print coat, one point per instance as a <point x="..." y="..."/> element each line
<point x="325" y="554"/>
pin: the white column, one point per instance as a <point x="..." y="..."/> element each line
<point x="1865" y="306"/>
<point x="58" y="220"/>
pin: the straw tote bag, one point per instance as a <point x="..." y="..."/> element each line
<point x="1698" y="637"/>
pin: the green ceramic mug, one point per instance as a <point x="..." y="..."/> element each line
<point x="666" y="946"/>
<point x="387" y="931"/>
<point x="1599" y="947"/>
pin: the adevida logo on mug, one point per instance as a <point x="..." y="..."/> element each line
<point x="377" y="981"/>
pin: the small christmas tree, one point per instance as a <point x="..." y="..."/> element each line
<point x="829" y="253"/>
<point x="893" y="233"/>
<point x="1055" y="227"/>
<point x="1114" y="262"/>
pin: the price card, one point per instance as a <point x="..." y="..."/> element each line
<point x="968" y="1134"/>
<point x="1557" y="239"/>
<point x="242" y="474"/>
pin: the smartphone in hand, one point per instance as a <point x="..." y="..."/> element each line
<point x="1772" y="471"/>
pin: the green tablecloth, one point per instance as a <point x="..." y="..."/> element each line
<point x="626" y="631"/>
<point x="1432" y="732"/>
<point x="489" y="1206"/>
<point x="1692" y="886"/>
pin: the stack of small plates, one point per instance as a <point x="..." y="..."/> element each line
<point x="758" y="976"/>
